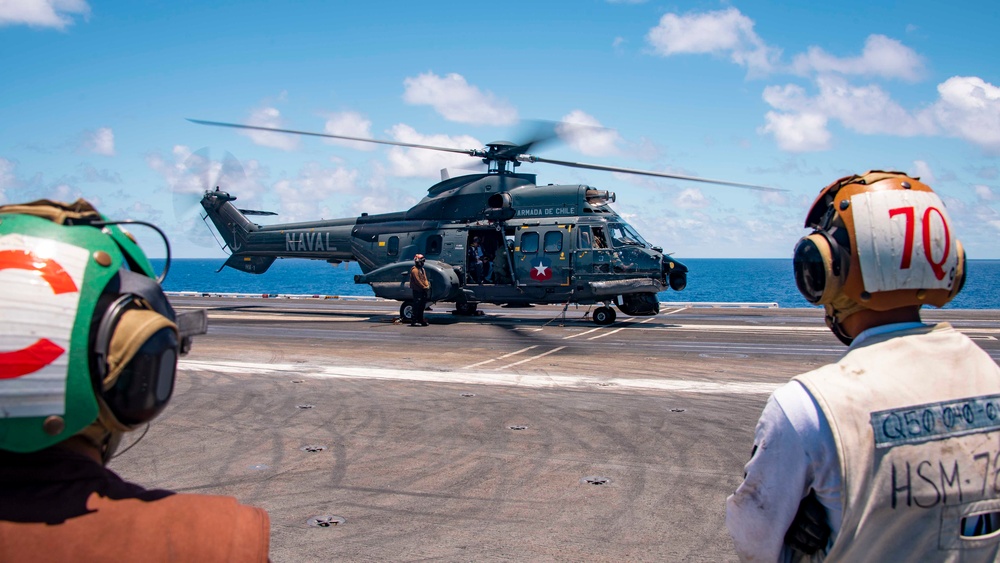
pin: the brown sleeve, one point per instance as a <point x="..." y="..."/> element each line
<point x="180" y="527"/>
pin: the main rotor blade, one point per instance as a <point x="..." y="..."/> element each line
<point x="532" y="158"/>
<point x="535" y="134"/>
<point x="483" y="153"/>
<point x="470" y="152"/>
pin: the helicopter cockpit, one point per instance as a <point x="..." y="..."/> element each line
<point x="622" y="234"/>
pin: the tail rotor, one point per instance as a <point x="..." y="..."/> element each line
<point x="199" y="174"/>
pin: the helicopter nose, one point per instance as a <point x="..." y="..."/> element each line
<point x="675" y="272"/>
<point x="678" y="280"/>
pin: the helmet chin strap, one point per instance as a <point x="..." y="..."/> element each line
<point x="101" y="438"/>
<point x="105" y="433"/>
<point x="834" y="325"/>
<point x="841" y="308"/>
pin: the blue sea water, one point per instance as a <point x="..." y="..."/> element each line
<point x="727" y="280"/>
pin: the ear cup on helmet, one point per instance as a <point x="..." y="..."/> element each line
<point x="135" y="353"/>
<point x="146" y="364"/>
<point x="819" y="268"/>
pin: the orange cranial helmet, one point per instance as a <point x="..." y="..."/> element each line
<point x="418" y="257"/>
<point x="880" y="241"/>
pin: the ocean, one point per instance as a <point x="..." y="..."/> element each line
<point x="710" y="280"/>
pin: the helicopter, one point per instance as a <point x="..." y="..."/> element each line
<point x="531" y="244"/>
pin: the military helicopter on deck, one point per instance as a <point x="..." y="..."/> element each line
<point x="541" y="244"/>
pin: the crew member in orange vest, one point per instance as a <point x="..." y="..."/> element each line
<point x="420" y="287"/>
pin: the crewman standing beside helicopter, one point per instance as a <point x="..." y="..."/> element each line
<point x="420" y="286"/>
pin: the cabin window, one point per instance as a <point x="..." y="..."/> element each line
<point x="393" y="246"/>
<point x="529" y="243"/>
<point x="599" y="239"/>
<point x="585" y="240"/>
<point x="553" y="241"/>
<point x="433" y="245"/>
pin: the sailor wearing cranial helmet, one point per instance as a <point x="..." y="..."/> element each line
<point x="88" y="351"/>
<point x="879" y="456"/>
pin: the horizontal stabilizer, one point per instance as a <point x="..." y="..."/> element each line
<point x="256" y="212"/>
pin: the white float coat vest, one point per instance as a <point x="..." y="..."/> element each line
<point x="915" y="416"/>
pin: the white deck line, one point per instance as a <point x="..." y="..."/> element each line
<point x="483" y="378"/>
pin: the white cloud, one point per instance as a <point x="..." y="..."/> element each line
<point x="425" y="163"/>
<point x="188" y="174"/>
<point x="42" y="13"/>
<point x="798" y="132"/>
<point x="801" y="122"/>
<point x="89" y="173"/>
<point x="969" y="108"/>
<point x="269" y="117"/>
<point x="382" y="201"/>
<point x="185" y="172"/>
<point x="101" y="142"/>
<point x="585" y="133"/>
<point x="350" y="124"/>
<point x="457" y="100"/>
<point x="984" y="193"/>
<point x="868" y="109"/>
<point x="7" y="178"/>
<point x="923" y="171"/>
<point x="691" y="198"/>
<point x="379" y="195"/>
<point x="977" y="222"/>
<point x="143" y="209"/>
<point x="68" y="193"/>
<point x="864" y="109"/>
<point x="301" y="198"/>
<point x="882" y="56"/>
<point x="723" y="33"/>
<point x="770" y="200"/>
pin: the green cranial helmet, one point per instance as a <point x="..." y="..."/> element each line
<point x="57" y="262"/>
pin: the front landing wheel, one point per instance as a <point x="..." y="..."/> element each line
<point x="604" y="315"/>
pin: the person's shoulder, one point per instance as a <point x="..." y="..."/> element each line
<point x="798" y="406"/>
<point x="215" y="527"/>
<point x="195" y="507"/>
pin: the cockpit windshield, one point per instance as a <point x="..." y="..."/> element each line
<point x="622" y="234"/>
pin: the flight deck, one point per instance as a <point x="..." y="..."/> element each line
<point x="518" y="434"/>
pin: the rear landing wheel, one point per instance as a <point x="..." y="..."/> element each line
<point x="466" y="308"/>
<point x="604" y="315"/>
<point x="406" y="312"/>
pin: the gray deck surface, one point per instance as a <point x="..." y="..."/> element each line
<point x="507" y="436"/>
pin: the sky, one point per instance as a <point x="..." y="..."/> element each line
<point x="792" y="95"/>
